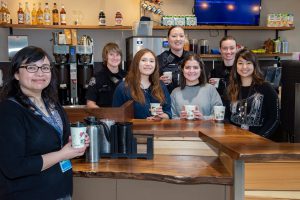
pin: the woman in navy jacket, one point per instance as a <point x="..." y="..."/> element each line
<point x="35" y="149"/>
<point x="142" y="85"/>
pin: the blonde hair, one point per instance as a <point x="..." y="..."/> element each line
<point x="110" y="47"/>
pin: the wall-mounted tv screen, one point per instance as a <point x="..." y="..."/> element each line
<point x="227" y="12"/>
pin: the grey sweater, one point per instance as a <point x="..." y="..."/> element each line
<point x="204" y="97"/>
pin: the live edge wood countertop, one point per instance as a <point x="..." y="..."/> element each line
<point x="238" y="144"/>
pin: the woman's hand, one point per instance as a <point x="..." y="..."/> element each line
<point x="165" y="79"/>
<point x="212" y="81"/>
<point x="197" y="114"/>
<point x="66" y="153"/>
<point x="69" y="152"/>
<point x="159" y="115"/>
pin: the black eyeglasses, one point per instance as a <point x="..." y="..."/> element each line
<point x="32" y="68"/>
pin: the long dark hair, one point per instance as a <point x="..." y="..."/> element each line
<point x="133" y="79"/>
<point x="202" y="77"/>
<point x="12" y="88"/>
<point x="235" y="82"/>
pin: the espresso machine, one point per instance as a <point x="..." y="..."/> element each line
<point x="85" y="64"/>
<point x="61" y="55"/>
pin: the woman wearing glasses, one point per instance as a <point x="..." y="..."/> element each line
<point x="35" y="149"/>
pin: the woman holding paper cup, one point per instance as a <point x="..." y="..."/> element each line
<point x="170" y="60"/>
<point x="35" y="147"/>
<point x="219" y="76"/>
<point x="252" y="103"/>
<point x="142" y="85"/>
<point x="195" y="98"/>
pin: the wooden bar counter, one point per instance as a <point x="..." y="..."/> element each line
<point x="195" y="160"/>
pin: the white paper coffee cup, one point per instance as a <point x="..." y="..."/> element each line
<point x="153" y="108"/>
<point x="190" y="111"/>
<point x="168" y="74"/>
<point x="217" y="81"/>
<point x="78" y="132"/>
<point x="219" y="113"/>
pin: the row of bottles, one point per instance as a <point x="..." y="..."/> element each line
<point x="40" y="17"/>
<point x="4" y="13"/>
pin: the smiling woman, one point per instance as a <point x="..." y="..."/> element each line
<point x="252" y="103"/>
<point x="194" y="91"/>
<point x="35" y="149"/>
<point x="102" y="86"/>
<point x="142" y="85"/>
<point x="170" y="60"/>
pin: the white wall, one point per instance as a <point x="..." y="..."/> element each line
<point x="89" y="10"/>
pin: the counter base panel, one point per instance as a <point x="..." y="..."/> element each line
<point x="124" y="189"/>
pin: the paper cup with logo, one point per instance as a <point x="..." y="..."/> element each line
<point x="153" y="108"/>
<point x="78" y="131"/>
<point x="219" y="112"/>
<point x="190" y="111"/>
<point x="217" y="81"/>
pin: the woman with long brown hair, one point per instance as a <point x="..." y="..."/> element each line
<point x="253" y="103"/>
<point x="194" y="90"/>
<point x="142" y="85"/>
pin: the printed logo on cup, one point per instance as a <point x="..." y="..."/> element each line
<point x="190" y="111"/>
<point x="78" y="131"/>
<point x="219" y="112"/>
<point x="153" y="108"/>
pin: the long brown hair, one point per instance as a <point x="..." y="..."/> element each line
<point x="235" y="82"/>
<point x="133" y="79"/>
<point x="202" y="77"/>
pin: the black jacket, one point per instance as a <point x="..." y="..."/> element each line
<point x="261" y="114"/>
<point x="24" y="138"/>
<point x="223" y="72"/>
<point x="170" y="62"/>
<point x="102" y="86"/>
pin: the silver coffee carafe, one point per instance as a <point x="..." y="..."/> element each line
<point x="105" y="135"/>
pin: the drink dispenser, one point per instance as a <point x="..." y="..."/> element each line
<point x="84" y="66"/>
<point x="61" y="55"/>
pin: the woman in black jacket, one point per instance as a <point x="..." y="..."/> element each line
<point x="253" y="103"/>
<point x="35" y="149"/>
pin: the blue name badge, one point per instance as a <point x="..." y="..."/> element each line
<point x="65" y="165"/>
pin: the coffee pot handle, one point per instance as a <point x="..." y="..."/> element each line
<point x="106" y="130"/>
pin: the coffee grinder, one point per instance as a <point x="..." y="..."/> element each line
<point x="61" y="55"/>
<point x="84" y="66"/>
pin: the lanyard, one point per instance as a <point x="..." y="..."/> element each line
<point x="50" y="120"/>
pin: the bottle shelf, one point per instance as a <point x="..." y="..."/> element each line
<point x="26" y="26"/>
<point x="260" y="55"/>
<point x="219" y="27"/>
<point x="202" y="27"/>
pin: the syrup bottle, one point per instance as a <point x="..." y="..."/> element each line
<point x="63" y="15"/>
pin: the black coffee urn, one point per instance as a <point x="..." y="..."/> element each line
<point x="85" y="62"/>
<point x="61" y="55"/>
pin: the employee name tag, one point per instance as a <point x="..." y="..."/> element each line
<point x="65" y="165"/>
<point x="245" y="126"/>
